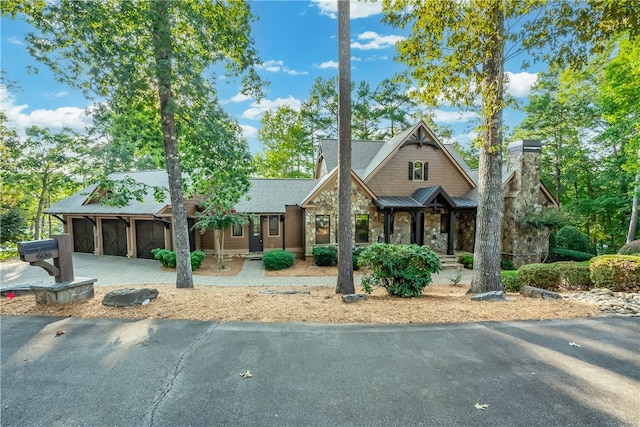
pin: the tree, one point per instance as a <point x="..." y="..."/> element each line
<point x="159" y="52"/>
<point x="216" y="218"/>
<point x="394" y="108"/>
<point x="456" y="52"/>
<point x="345" y="228"/>
<point x="288" y="148"/>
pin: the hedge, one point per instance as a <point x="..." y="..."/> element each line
<point x="543" y="276"/>
<point x="325" y="255"/>
<point x="617" y="272"/>
<point x="574" y="275"/>
<point x="278" y="259"/>
<point x="560" y="254"/>
<point x="631" y="248"/>
<point x="510" y="281"/>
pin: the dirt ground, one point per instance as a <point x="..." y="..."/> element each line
<point x="439" y="304"/>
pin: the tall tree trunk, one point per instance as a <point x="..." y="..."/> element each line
<point x="38" y="218"/>
<point x="162" y="44"/>
<point x="633" y="222"/>
<point x="488" y="245"/>
<point x="345" y="229"/>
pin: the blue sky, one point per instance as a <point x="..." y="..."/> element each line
<point x="297" y="42"/>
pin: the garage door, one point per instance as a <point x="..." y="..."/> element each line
<point x="149" y="235"/>
<point x="114" y="237"/>
<point x="82" y="235"/>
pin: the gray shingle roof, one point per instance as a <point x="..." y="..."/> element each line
<point x="362" y="152"/>
<point x="272" y="195"/>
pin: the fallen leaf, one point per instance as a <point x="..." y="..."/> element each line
<point x="574" y="344"/>
<point x="246" y="374"/>
<point x="482" y="406"/>
<point x="60" y="332"/>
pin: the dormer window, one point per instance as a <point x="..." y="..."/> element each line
<point x="418" y="171"/>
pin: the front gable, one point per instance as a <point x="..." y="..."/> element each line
<point x="325" y="192"/>
<point x="395" y="169"/>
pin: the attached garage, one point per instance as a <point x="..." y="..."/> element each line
<point x="149" y="235"/>
<point x="114" y="237"/>
<point x="83" y="235"/>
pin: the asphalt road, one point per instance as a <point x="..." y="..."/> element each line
<point x="183" y="373"/>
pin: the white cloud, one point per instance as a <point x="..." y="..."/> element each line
<point x="249" y="131"/>
<point x="327" y="64"/>
<point x="373" y="40"/>
<point x="52" y="95"/>
<point x="239" y="97"/>
<point x="276" y="66"/>
<point x="73" y="117"/>
<point x="519" y="84"/>
<point x="257" y="109"/>
<point x="466" y="139"/>
<point x="15" y="40"/>
<point x="443" y="116"/>
<point x="358" y="9"/>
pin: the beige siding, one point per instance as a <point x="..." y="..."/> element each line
<point x="393" y="177"/>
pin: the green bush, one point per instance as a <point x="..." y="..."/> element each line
<point x="570" y="237"/>
<point x="560" y="254"/>
<point x="404" y="270"/>
<point x="616" y="272"/>
<point x="278" y="260"/>
<point x="574" y="275"/>
<point x="168" y="258"/>
<point x="356" y="256"/>
<point x="196" y="259"/>
<point x="510" y="281"/>
<point x="544" y="276"/>
<point x="325" y="255"/>
<point x="631" y="248"/>
<point x="466" y="260"/>
<point x="507" y="264"/>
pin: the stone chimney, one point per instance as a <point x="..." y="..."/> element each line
<point x="521" y="245"/>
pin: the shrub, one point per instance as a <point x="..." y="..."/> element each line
<point x="616" y="272"/>
<point x="631" y="248"/>
<point x="325" y="255"/>
<point x="278" y="260"/>
<point x="544" y="276"/>
<point x="356" y="256"/>
<point x="196" y="259"/>
<point x="560" y="254"/>
<point x="570" y="237"/>
<point x="510" y="281"/>
<point x="404" y="270"/>
<point x="466" y="260"/>
<point x="168" y="258"/>
<point x="574" y="275"/>
<point x="507" y="264"/>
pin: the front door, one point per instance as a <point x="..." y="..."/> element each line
<point x="255" y="233"/>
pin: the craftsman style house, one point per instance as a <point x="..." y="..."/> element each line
<point x="409" y="189"/>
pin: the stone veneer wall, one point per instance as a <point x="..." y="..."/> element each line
<point x="520" y="245"/>
<point x="326" y="203"/>
<point x="465" y="231"/>
<point x="433" y="238"/>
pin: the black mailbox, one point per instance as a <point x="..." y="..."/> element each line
<point x="38" y="250"/>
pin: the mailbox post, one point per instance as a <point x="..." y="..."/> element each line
<point x="59" y="248"/>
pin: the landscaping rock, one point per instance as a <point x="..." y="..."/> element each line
<point x="129" y="297"/>
<point x="533" y="292"/>
<point x="489" y="296"/>
<point x="349" y="298"/>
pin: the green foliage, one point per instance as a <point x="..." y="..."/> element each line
<point x="466" y="260"/>
<point x="278" y="259"/>
<point x="544" y="276"/>
<point x="404" y="270"/>
<point x="168" y="258"/>
<point x="560" y="254"/>
<point x="510" y="281"/>
<point x="616" y="272"/>
<point x="6" y="254"/>
<point x="325" y="255"/>
<point x="631" y="248"/>
<point x="507" y="264"/>
<point x="13" y="226"/>
<point x="575" y="275"/>
<point x="355" y="257"/>
<point x="546" y="218"/>
<point x="571" y="238"/>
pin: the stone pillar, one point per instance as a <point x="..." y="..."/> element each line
<point x="520" y="245"/>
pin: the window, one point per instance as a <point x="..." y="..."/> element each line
<point x="444" y="223"/>
<point x="418" y="171"/>
<point x="362" y="228"/>
<point x="322" y="229"/>
<point x="237" y="230"/>
<point x="274" y="225"/>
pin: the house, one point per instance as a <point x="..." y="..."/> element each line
<point x="409" y="189"/>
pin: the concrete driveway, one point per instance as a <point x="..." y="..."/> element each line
<point x="184" y="373"/>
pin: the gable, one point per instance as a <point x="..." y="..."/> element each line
<point x="329" y="183"/>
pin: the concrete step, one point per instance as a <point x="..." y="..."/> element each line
<point x="448" y="262"/>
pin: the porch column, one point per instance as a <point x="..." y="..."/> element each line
<point x="387" y="224"/>
<point x="452" y="218"/>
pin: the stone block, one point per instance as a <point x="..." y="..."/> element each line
<point x="65" y="292"/>
<point x="533" y="292"/>
<point x="489" y="296"/>
<point x="128" y="297"/>
<point x="349" y="298"/>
